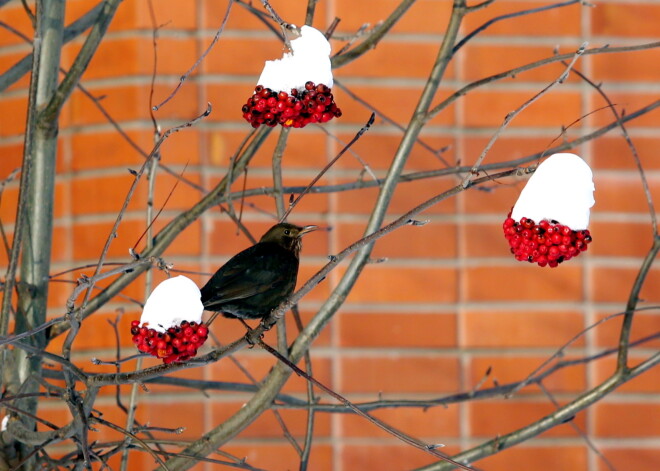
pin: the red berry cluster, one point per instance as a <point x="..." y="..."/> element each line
<point x="545" y="243"/>
<point x="177" y="344"/>
<point x="315" y="104"/>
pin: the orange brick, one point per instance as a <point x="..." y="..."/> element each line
<point x="480" y="62"/>
<point x="524" y="282"/>
<point x="648" y="382"/>
<point x="12" y="118"/>
<point x="434" y="240"/>
<point x="500" y="329"/>
<point x="123" y="57"/>
<point x="97" y="332"/>
<point x="16" y="16"/>
<point x="613" y="19"/>
<point x="241" y="18"/>
<point x="186" y="243"/>
<point x="310" y="203"/>
<point x="413" y="374"/>
<point x="385" y="455"/>
<point x="639" y="459"/>
<point x="644" y="323"/>
<point x="132" y="102"/>
<point x="260" y="365"/>
<point x="138" y="460"/>
<point x="422" y="423"/>
<point x="228" y="99"/>
<point x="53" y="411"/>
<point x="396" y="59"/>
<point x="12" y="159"/>
<point x="405" y="198"/>
<point x="396" y="103"/>
<point x="494" y="418"/>
<point x="390" y="283"/>
<point x="506" y="149"/>
<point x="614" y="284"/>
<point x="305" y="148"/>
<point x="485" y="240"/>
<point x="107" y="149"/>
<point x="268" y="453"/>
<point x="495" y="198"/>
<point x="613" y="153"/>
<point x="188" y="414"/>
<point x="89" y="239"/>
<point x="324" y="338"/>
<point x="224" y="239"/>
<point x="510" y="369"/>
<point x="173" y="194"/>
<point x="424" y="16"/>
<point x="102" y="195"/>
<point x="321" y="291"/>
<point x="9" y="203"/>
<point x="397" y="330"/>
<point x="10" y="197"/>
<point x="241" y="56"/>
<point x="267" y="426"/>
<point x="378" y="150"/>
<point x="627" y="420"/>
<point x="8" y="60"/>
<point x="637" y="66"/>
<point x="614" y="239"/>
<point x="180" y="148"/>
<point x="58" y="294"/>
<point x="625" y="102"/>
<point x="188" y="373"/>
<point x="556" y="108"/>
<point x="610" y="189"/>
<point x="134" y="291"/>
<point x="134" y="15"/>
<point x="563" y="21"/>
<point x="551" y="458"/>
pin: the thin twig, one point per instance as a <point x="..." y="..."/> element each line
<point x="277" y="171"/>
<point x="512" y="115"/>
<point x="532" y="65"/>
<point x="507" y="16"/>
<point x="377" y="422"/>
<point x="631" y="146"/>
<point x="590" y="444"/>
<point x="357" y="136"/>
<point x="185" y="76"/>
<point x="436" y="153"/>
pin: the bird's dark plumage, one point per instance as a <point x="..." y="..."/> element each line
<point x="255" y="281"/>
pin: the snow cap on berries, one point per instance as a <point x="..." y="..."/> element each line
<point x="173" y="301"/>
<point x="309" y="60"/>
<point x="561" y="189"/>
<point x="548" y="224"/>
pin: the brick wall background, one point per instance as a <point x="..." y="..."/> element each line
<point x="450" y="301"/>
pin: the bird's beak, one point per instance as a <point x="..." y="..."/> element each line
<point x="307" y="229"/>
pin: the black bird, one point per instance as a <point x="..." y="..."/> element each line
<point x="255" y="281"/>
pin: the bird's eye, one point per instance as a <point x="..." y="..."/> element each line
<point x="287" y="232"/>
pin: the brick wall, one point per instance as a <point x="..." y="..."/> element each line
<point x="449" y="302"/>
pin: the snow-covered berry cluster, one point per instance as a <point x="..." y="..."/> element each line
<point x="546" y="243"/>
<point x="297" y="89"/>
<point x="314" y="104"/>
<point x="171" y="325"/>
<point x="176" y="344"/>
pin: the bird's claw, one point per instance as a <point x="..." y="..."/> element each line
<point x="253" y="337"/>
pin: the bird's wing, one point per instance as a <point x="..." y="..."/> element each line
<point x="251" y="272"/>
